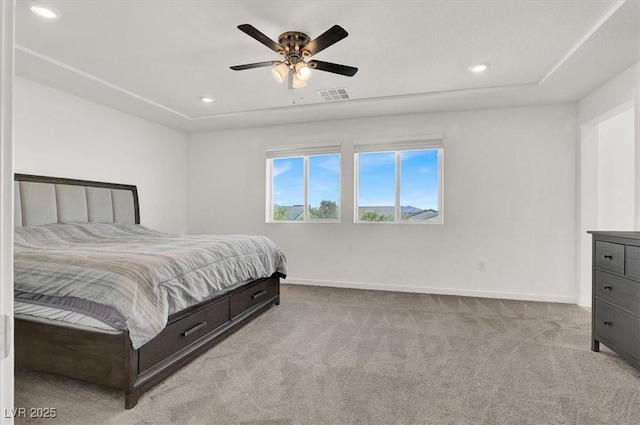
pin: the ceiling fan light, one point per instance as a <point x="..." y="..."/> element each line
<point x="297" y="83"/>
<point x="303" y="72"/>
<point x="279" y="72"/>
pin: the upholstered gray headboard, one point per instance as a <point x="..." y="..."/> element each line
<point x="44" y="200"/>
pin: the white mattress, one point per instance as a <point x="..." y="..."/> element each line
<point x="59" y="317"/>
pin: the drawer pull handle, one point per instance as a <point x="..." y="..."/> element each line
<point x="194" y="329"/>
<point x="258" y="294"/>
<point x="608" y="257"/>
<point x="608" y="323"/>
<point x="607" y="287"/>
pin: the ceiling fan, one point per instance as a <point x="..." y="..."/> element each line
<point x="296" y="47"/>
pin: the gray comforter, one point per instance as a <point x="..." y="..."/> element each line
<point x="144" y="274"/>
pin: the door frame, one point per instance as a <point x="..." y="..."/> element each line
<point x="7" y="57"/>
<point x="588" y="195"/>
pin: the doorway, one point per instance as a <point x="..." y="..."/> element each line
<point x="607" y="183"/>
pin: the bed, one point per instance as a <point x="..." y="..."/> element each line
<point x="103" y="299"/>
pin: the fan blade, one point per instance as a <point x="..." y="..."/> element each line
<point x="329" y="37"/>
<point x="251" y="31"/>
<point x="254" y="65"/>
<point x="336" y="68"/>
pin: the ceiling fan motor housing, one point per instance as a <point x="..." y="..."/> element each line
<point x="294" y="43"/>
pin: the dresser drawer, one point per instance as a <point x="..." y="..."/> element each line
<point x="619" y="328"/>
<point x="619" y="291"/>
<point x="253" y="296"/>
<point x="610" y="256"/>
<point x="181" y="333"/>
<point x="632" y="261"/>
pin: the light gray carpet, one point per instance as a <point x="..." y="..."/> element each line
<point x="341" y="356"/>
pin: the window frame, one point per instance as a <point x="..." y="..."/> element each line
<point x="305" y="153"/>
<point x="397" y="147"/>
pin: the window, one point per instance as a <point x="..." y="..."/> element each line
<point x="303" y="184"/>
<point x="399" y="182"/>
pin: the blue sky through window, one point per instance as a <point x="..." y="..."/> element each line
<point x="376" y="179"/>
<point x="418" y="181"/>
<point x="288" y="181"/>
<point x="324" y="180"/>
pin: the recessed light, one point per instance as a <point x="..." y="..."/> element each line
<point x="206" y="99"/>
<point x="479" y="68"/>
<point x="44" y="12"/>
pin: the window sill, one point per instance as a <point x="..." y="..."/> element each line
<point x="304" y="222"/>
<point x="412" y="223"/>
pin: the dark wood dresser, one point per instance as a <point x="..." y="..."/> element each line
<point x="616" y="294"/>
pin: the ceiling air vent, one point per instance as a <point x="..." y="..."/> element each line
<point x="332" y="95"/>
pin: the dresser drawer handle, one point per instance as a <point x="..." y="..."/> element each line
<point x="608" y="323"/>
<point x="194" y="329"/>
<point x="608" y="257"/>
<point x="608" y="287"/>
<point x="258" y="294"/>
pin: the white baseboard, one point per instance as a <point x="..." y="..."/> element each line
<point x="585" y="302"/>
<point x="430" y="290"/>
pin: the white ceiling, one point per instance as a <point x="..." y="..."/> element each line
<point x="155" y="59"/>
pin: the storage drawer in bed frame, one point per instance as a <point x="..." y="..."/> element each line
<point x="182" y="333"/>
<point x="110" y="360"/>
<point x="255" y="294"/>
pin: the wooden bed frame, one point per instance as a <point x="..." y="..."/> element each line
<point x="110" y="359"/>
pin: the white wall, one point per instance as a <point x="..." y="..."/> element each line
<point x="61" y="135"/>
<point x="616" y="96"/>
<point x="616" y="189"/>
<point x="509" y="200"/>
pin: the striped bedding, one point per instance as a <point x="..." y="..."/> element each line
<point x="144" y="274"/>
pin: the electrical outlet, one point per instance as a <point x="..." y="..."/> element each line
<point x="482" y="266"/>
